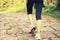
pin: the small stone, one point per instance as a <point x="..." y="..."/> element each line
<point x="55" y="38"/>
<point x="47" y="35"/>
<point x="9" y="38"/>
<point x="45" y="39"/>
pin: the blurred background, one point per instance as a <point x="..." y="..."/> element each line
<point x="51" y="7"/>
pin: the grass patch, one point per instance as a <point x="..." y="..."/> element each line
<point x="51" y="11"/>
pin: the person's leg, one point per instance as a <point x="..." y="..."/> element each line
<point x="38" y="19"/>
<point x="29" y="12"/>
<point x="30" y="18"/>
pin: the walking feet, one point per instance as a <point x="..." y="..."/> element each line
<point x="32" y="30"/>
<point x="38" y="36"/>
<point x="34" y="34"/>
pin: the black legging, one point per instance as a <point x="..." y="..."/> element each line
<point x="38" y="6"/>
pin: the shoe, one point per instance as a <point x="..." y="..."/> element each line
<point x="38" y="37"/>
<point x="32" y="30"/>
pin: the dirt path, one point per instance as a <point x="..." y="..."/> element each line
<point x="15" y="26"/>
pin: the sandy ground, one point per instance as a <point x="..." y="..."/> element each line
<point x="15" y="26"/>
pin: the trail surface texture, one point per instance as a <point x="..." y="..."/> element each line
<point x="15" y="26"/>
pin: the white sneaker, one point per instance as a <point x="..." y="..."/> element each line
<point x="38" y="36"/>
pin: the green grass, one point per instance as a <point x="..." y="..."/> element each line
<point x="51" y="11"/>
